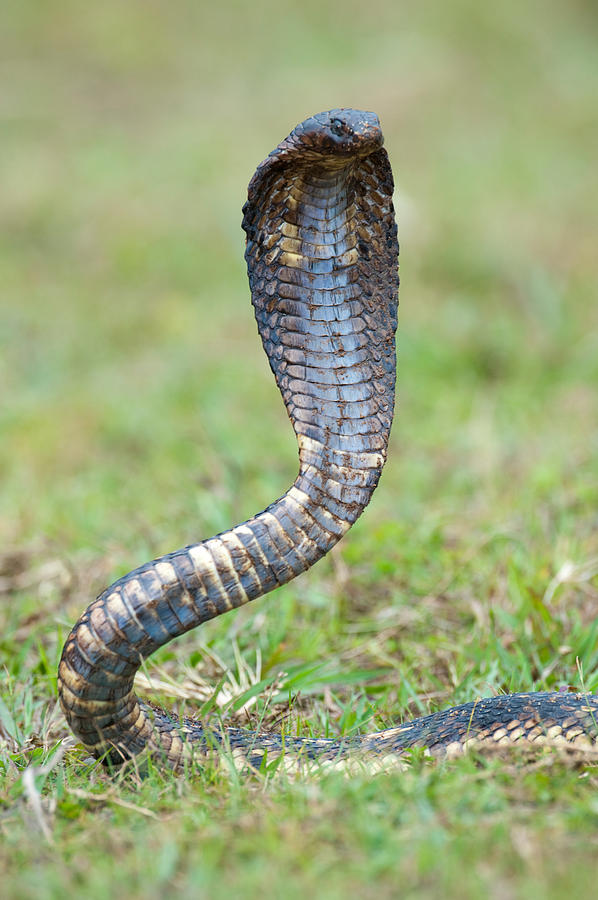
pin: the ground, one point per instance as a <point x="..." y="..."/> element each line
<point x="138" y="414"/>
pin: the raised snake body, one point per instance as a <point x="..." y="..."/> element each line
<point x="322" y="263"/>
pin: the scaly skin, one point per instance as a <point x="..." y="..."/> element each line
<point x="322" y="263"/>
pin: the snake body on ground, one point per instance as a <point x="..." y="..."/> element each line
<point x="322" y="260"/>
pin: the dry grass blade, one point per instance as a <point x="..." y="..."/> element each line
<point x="112" y="797"/>
<point x="573" y="573"/>
<point x="33" y="794"/>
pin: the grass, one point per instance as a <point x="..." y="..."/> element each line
<point x="138" y="414"/>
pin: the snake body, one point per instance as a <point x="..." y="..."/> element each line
<point x="321" y="256"/>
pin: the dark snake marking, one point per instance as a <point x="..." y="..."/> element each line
<point x="322" y="257"/>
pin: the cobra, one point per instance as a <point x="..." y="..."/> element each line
<point x="322" y="260"/>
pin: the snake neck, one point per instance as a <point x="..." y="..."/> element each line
<point x="321" y="255"/>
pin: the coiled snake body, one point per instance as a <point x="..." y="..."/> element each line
<point x="322" y="262"/>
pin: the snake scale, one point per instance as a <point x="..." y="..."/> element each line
<point x="322" y="260"/>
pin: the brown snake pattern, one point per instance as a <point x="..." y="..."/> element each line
<point x="322" y="263"/>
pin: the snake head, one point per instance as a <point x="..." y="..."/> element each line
<point x="340" y="132"/>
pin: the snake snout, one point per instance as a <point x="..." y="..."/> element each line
<point x="342" y="132"/>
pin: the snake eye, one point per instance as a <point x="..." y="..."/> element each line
<point x="337" y="127"/>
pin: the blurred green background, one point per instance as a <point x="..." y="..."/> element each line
<point x="138" y="413"/>
<point x="130" y="372"/>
